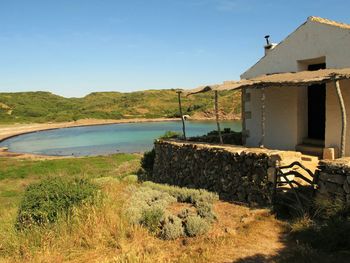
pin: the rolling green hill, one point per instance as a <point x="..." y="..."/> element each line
<point x="24" y="107"/>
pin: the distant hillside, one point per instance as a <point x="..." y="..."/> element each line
<point x="46" y="107"/>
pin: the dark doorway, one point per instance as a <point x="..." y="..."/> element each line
<point x="316" y="107"/>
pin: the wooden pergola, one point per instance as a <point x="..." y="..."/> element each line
<point x="285" y="80"/>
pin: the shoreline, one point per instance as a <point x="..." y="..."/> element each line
<point x="8" y="131"/>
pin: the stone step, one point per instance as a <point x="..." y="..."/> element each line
<point x="309" y="149"/>
<point x="315" y="142"/>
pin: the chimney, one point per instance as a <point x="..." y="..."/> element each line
<point x="269" y="46"/>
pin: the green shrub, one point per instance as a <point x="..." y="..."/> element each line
<point x="184" y="213"/>
<point x="184" y="195"/>
<point x="326" y="208"/>
<point x="43" y="202"/>
<point x="329" y="236"/>
<point x="196" y="225"/>
<point x="131" y="178"/>
<point x="144" y="199"/>
<point x="171" y="228"/>
<point x="151" y="218"/>
<point x="147" y="161"/>
<point x="170" y="135"/>
<point x="328" y="228"/>
<point x="148" y="205"/>
<point x="205" y="210"/>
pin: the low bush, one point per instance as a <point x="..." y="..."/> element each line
<point x="328" y="227"/>
<point x="326" y="208"/>
<point x="43" y="202"/>
<point x="172" y="228"/>
<point x="144" y="199"/>
<point x="147" y="161"/>
<point x="183" y="194"/>
<point x="196" y="225"/>
<point x="205" y="210"/>
<point x="151" y="218"/>
<point x="131" y="178"/>
<point x="228" y="136"/>
<point x="331" y="236"/>
<point x="148" y="207"/>
<point x="170" y="135"/>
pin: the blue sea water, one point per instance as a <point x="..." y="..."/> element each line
<point x="106" y="139"/>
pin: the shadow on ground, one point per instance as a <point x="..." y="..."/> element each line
<point x="325" y="238"/>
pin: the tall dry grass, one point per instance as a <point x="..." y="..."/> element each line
<point x="100" y="233"/>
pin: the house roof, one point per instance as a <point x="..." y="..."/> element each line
<point x="314" y="19"/>
<point x="328" y="22"/>
<point x="290" y="79"/>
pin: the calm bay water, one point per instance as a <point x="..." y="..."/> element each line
<point x="106" y="139"/>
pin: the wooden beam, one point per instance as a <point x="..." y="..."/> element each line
<point x="343" y="118"/>
<point x="181" y="115"/>
<point x="217" y="115"/>
<point x="263" y="117"/>
<point x="244" y="130"/>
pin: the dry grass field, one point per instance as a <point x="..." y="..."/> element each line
<point x="100" y="231"/>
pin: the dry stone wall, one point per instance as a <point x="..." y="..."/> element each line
<point x="235" y="173"/>
<point x="334" y="179"/>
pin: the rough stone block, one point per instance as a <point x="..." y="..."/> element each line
<point x="328" y="153"/>
<point x="322" y="187"/>
<point x="346" y="187"/>
<point x="271" y="174"/>
<point x="334" y="178"/>
<point x="333" y="188"/>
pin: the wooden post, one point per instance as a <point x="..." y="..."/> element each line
<point x="244" y="132"/>
<point x="343" y="117"/>
<point x="217" y="116"/>
<point x="182" y="116"/>
<point x="263" y="117"/>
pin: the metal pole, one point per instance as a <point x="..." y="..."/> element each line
<point x="217" y="115"/>
<point x="182" y="117"/>
<point x="263" y="117"/>
<point x="343" y="117"/>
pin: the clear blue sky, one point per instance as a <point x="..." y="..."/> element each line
<point x="74" y="47"/>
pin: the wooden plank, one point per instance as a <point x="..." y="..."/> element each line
<point x="343" y="117"/>
<point x="217" y="115"/>
<point x="243" y="116"/>
<point x="263" y="117"/>
<point x="182" y="116"/>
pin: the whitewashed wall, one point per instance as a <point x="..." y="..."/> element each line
<point x="286" y="117"/>
<point x="286" y="121"/>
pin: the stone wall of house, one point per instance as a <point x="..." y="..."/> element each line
<point x="334" y="179"/>
<point x="236" y="173"/>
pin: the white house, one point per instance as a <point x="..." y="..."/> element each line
<point x="302" y="118"/>
<point x="296" y="96"/>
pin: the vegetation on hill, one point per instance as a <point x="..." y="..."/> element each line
<point x="46" y="107"/>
